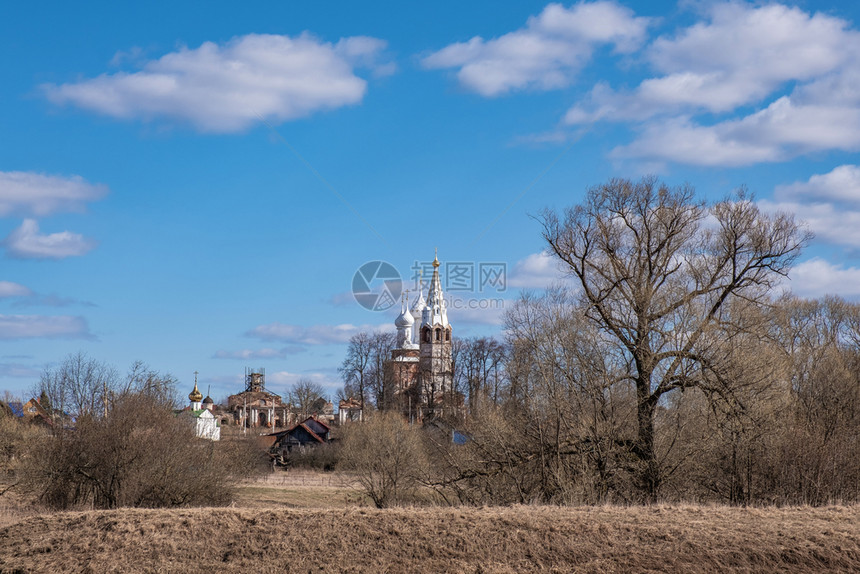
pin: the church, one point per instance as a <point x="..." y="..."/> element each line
<point x="206" y="425"/>
<point x="420" y="371"/>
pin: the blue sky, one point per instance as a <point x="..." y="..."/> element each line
<point x="195" y="188"/>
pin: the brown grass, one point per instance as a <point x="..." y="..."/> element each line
<point x="15" y="507"/>
<point x="518" y="539"/>
<point x="312" y="522"/>
<point x="298" y="489"/>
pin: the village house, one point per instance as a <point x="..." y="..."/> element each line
<point x="31" y="411"/>
<point x="308" y="433"/>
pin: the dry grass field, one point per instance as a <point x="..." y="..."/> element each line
<point x="298" y="489"/>
<point x="307" y="523"/>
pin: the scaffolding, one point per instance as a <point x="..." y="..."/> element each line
<point x="255" y="380"/>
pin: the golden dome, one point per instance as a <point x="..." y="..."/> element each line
<point x="195" y="396"/>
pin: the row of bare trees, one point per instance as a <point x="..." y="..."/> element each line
<point x="669" y="367"/>
<point x="362" y="370"/>
<point x="81" y="386"/>
<point x="781" y="425"/>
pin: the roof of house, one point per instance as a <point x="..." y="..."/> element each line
<point x="317" y="421"/>
<point x="310" y="431"/>
<point x="307" y="426"/>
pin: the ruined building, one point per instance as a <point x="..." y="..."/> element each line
<point x="255" y="406"/>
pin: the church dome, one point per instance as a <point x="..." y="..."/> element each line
<point x="419" y="306"/>
<point x="195" y="396"/>
<point x="404" y="319"/>
<point x="208" y="400"/>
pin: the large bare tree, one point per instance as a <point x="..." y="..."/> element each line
<point x="658" y="270"/>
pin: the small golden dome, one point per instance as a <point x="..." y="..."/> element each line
<point x="195" y="396"/>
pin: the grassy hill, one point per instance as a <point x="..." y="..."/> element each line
<point x="357" y="539"/>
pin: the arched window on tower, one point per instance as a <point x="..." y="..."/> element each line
<point x="427" y="336"/>
<point x="447" y="335"/>
<point x="438" y="334"/>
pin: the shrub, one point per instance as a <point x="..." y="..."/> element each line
<point x="139" y="454"/>
<point x="387" y="456"/>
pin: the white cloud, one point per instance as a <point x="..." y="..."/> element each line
<point x="486" y="311"/>
<point x="537" y="271"/>
<point x="828" y="203"/>
<point x="9" y="289"/>
<point x="797" y="68"/>
<point x="817" y="277"/>
<point x="265" y="353"/>
<point x="26" y="242"/>
<point x="28" y="193"/>
<point x="829" y="222"/>
<point x="739" y="56"/>
<point x="547" y="53"/>
<point x="770" y="42"/>
<point x="135" y="54"/>
<point x="226" y="88"/>
<point x="785" y="129"/>
<point x="42" y="326"/>
<point x="682" y="141"/>
<point x="285" y="379"/>
<point x="313" y="335"/>
<point x="840" y="184"/>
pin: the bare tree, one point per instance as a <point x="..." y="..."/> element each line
<point x="160" y="387"/>
<point x="479" y="369"/>
<point x="363" y="371"/>
<point x="303" y="394"/>
<point x="356" y="367"/>
<point x="387" y="457"/>
<point x="79" y="386"/>
<point x="818" y="432"/>
<point x="657" y="270"/>
<point x="380" y="385"/>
